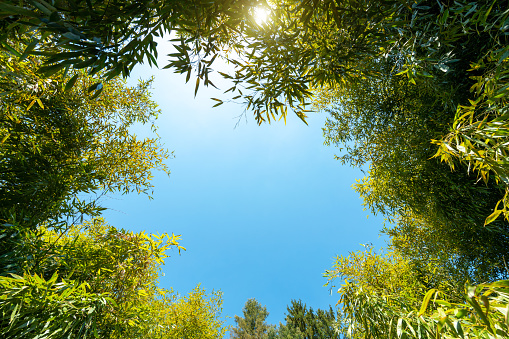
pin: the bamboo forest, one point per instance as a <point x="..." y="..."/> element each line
<point x="414" y="93"/>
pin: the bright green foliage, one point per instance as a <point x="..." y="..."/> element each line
<point x="57" y="143"/>
<point x="62" y="276"/>
<point x="369" y="315"/>
<point x="110" y="281"/>
<point x="384" y="274"/>
<point x="124" y="265"/>
<point x="194" y="316"/>
<point x="31" y="307"/>
<point x="481" y="314"/>
<point x="252" y="325"/>
<point x="389" y="280"/>
<point x="386" y="296"/>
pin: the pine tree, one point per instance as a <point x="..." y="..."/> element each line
<point x="252" y="325"/>
<point x="313" y="325"/>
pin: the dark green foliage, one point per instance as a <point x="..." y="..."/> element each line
<point x="301" y="323"/>
<point x="284" y="332"/>
<point x="312" y="325"/>
<point x="112" y="36"/>
<point x="16" y="247"/>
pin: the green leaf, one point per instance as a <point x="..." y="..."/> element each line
<point x="14" y="313"/>
<point x="10" y="49"/>
<point x="17" y="10"/>
<point x="93" y="87"/>
<point x="51" y="69"/>
<point x="72" y="36"/>
<point x="504" y="56"/>
<point x="197" y="85"/>
<point x="480" y="313"/>
<point x="492" y="217"/>
<point x="98" y="91"/>
<point x="71" y="82"/>
<point x="1" y="142"/>
<point x="460" y="313"/>
<point x="425" y="301"/>
<point x="85" y="63"/>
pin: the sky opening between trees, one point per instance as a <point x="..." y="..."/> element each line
<point x="415" y="95"/>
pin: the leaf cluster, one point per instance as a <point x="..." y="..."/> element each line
<point x="481" y="314"/>
<point x="61" y="275"/>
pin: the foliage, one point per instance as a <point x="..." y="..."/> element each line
<point x="128" y="274"/>
<point x="110" y="277"/>
<point x="482" y="314"/>
<point x="304" y="45"/>
<point x="120" y="265"/>
<point x="388" y="297"/>
<point x="193" y="316"/>
<point x="300" y="323"/>
<point x="461" y="253"/>
<point x="252" y="325"/>
<point x="113" y="36"/>
<point x="384" y="274"/>
<point x="34" y="307"/>
<point x="387" y="122"/>
<point x="453" y="55"/>
<point x="62" y="276"/>
<point x="386" y="282"/>
<point x="284" y="332"/>
<point x="478" y="135"/>
<point x="311" y="324"/>
<point x="58" y="143"/>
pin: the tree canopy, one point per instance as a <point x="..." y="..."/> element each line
<point x="416" y="93"/>
<point x="252" y="325"/>
<point x="301" y="322"/>
<point x="64" y="272"/>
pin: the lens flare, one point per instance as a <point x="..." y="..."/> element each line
<point x="261" y="15"/>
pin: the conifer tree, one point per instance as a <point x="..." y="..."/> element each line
<point x="252" y="325"/>
<point x="313" y="325"/>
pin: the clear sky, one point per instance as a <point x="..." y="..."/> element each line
<point x="263" y="210"/>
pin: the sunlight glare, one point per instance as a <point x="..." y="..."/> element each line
<point x="261" y="15"/>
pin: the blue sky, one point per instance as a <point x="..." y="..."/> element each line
<point x="263" y="210"/>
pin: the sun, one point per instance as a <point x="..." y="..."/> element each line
<point x="261" y="15"/>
